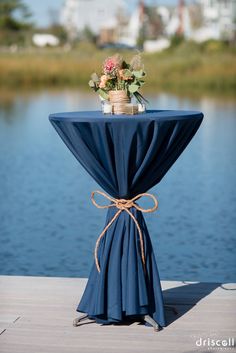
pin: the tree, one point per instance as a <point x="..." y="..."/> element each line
<point x="89" y="35"/>
<point x="14" y="15"/>
<point x="55" y="27"/>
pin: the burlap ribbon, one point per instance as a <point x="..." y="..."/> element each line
<point x="123" y="205"/>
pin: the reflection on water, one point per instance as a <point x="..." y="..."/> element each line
<point x="48" y="225"/>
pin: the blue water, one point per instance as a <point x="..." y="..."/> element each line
<point x="48" y="225"/>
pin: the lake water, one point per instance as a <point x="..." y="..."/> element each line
<point x="48" y="226"/>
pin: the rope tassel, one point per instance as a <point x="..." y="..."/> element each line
<point x="123" y="205"/>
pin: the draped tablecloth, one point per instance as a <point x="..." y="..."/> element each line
<point x="126" y="155"/>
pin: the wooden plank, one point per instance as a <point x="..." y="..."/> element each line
<point x="102" y="343"/>
<point x="46" y="307"/>
<point x="6" y="319"/>
<point x="2" y="329"/>
<point x="111" y="338"/>
<point x="85" y="348"/>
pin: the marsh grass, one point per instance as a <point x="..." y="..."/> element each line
<point x="188" y="68"/>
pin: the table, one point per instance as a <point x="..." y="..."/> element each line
<point x="126" y="155"/>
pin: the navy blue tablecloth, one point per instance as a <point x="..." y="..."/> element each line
<point x="126" y="155"/>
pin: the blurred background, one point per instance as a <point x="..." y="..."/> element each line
<point x="48" y="51"/>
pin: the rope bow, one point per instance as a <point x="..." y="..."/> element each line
<point x="122" y="205"/>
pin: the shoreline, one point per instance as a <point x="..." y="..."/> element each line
<point x="189" y="69"/>
<point x="11" y="92"/>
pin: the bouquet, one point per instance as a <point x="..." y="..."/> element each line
<point x="118" y="75"/>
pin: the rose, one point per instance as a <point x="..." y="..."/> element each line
<point x="109" y="66"/>
<point x="112" y="64"/>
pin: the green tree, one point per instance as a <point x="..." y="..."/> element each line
<point x="89" y="35"/>
<point x="14" y="15"/>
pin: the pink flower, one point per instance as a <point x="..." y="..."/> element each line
<point x="112" y="64"/>
<point x="102" y="84"/>
<point x="109" y="65"/>
<point x="103" y="81"/>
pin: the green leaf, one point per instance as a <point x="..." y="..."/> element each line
<point x="125" y="65"/>
<point x="133" y="88"/>
<point x="137" y="96"/>
<point x="103" y="94"/>
<point x="127" y="73"/>
<point x="141" y="83"/>
<point x="139" y="73"/>
<point x="140" y="98"/>
<point x="91" y="84"/>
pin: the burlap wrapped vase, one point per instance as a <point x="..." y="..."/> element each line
<point x="120" y="102"/>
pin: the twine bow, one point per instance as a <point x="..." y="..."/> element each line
<point x="123" y="205"/>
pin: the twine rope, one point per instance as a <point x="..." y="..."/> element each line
<point x="122" y="205"/>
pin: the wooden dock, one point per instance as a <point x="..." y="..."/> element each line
<point x="36" y="315"/>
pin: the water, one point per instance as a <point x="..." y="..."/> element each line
<point x="48" y="225"/>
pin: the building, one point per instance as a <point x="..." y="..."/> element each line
<point x="219" y="19"/>
<point x="179" y="22"/>
<point x="76" y="15"/>
<point x="111" y="22"/>
<point x="144" y="23"/>
<point x="130" y="31"/>
<point x="69" y="18"/>
<point x="203" y="20"/>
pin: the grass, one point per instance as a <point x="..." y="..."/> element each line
<point x="187" y="68"/>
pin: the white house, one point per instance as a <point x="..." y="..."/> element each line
<point x="219" y="17"/>
<point x="131" y="30"/>
<point x="179" y="21"/>
<point x="70" y="17"/>
<point x="95" y="14"/>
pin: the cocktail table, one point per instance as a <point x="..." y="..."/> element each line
<point x="126" y="155"/>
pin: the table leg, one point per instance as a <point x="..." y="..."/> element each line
<point x="153" y="323"/>
<point x="81" y="320"/>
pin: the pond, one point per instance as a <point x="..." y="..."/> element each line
<point x="48" y="225"/>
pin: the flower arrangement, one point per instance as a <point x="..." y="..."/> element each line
<point x="118" y="75"/>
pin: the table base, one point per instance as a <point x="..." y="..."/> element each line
<point x="84" y="320"/>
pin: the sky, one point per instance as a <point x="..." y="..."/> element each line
<point x="41" y="8"/>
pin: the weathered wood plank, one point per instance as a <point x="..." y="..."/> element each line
<point x="46" y="307"/>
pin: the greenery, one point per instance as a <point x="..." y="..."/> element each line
<point x="15" y="22"/>
<point x="14" y="15"/>
<point x="187" y="67"/>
